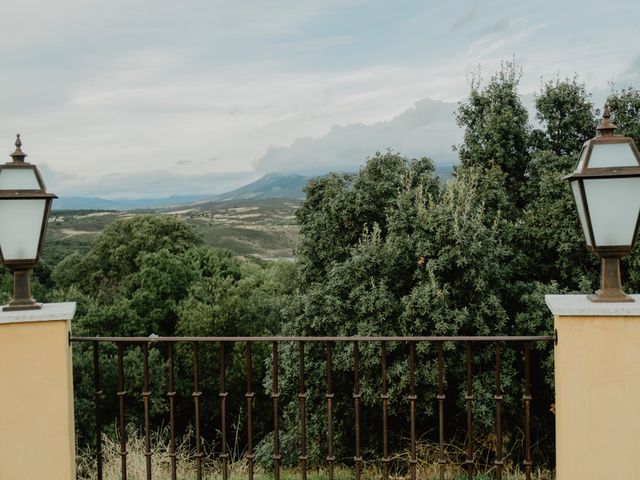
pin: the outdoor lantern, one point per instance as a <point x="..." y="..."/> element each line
<point x="606" y="188"/>
<point x="24" y="210"/>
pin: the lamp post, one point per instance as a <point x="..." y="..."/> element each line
<point x="24" y="209"/>
<point x="606" y="189"/>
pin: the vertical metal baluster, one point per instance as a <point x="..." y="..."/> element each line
<point x="275" y="396"/>
<point x="469" y="400"/>
<point x="329" y="397"/>
<point x="385" y="410"/>
<point x="527" y="411"/>
<point x="412" y="407"/>
<point x="249" y="398"/>
<point x="196" y="405"/>
<point x="302" y="396"/>
<point x="97" y="396"/>
<point x="145" y="400"/>
<point x="499" y="462"/>
<point x="121" y="421"/>
<point x="441" y="397"/>
<point x="223" y="415"/>
<point x="172" y="411"/>
<point x="356" y="406"/>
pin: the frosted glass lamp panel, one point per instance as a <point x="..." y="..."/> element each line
<point x="614" y="204"/>
<point x="20" y="225"/>
<point x="612" y="155"/>
<point x="575" y="186"/>
<point x="18" y="179"/>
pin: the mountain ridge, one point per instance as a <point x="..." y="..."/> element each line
<point x="271" y="185"/>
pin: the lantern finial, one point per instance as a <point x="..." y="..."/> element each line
<point x="606" y="126"/>
<point x="18" y="155"/>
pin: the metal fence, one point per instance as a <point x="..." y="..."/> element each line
<point x="498" y="342"/>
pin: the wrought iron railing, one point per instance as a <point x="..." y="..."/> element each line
<point x="329" y="343"/>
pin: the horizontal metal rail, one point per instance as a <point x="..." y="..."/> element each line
<point x="155" y="338"/>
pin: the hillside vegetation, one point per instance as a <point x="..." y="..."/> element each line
<point x="261" y="228"/>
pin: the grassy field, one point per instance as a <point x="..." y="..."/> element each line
<point x="427" y="467"/>
<point x="262" y="228"/>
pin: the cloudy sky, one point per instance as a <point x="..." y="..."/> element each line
<point x="153" y="98"/>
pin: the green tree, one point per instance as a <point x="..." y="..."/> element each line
<point x="430" y="271"/>
<point x="105" y="271"/>
<point x="152" y="275"/>
<point x="496" y="129"/>
<point x="338" y="207"/>
<point x="550" y="231"/>
<point x="566" y="113"/>
<point x="548" y="228"/>
<point x="624" y="105"/>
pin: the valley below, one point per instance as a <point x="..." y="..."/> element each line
<point x="262" y="228"/>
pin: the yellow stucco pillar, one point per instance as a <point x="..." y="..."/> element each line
<point x="597" y="381"/>
<point x="36" y="394"/>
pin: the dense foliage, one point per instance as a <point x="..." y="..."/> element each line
<point x="402" y="253"/>
<point x="151" y="275"/>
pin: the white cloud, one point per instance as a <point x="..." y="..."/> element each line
<point x="426" y="129"/>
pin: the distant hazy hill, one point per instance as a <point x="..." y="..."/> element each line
<point x="96" y="203"/>
<point x="270" y="186"/>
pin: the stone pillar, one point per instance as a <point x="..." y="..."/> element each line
<point x="37" y="435"/>
<point x="597" y="381"/>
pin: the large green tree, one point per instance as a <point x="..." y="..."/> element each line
<point x="430" y="269"/>
<point x="496" y="128"/>
<point x="339" y="206"/>
<point x="550" y="232"/>
<point x="151" y="274"/>
<point x="566" y="114"/>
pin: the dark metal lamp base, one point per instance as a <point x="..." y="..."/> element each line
<point x="610" y="284"/>
<point x="598" y="297"/>
<point x="16" y="308"/>
<point x="22" y="299"/>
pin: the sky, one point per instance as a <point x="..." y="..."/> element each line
<point x="130" y="99"/>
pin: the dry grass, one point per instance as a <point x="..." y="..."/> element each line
<point x="427" y="467"/>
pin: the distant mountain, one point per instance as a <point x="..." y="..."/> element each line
<point x="275" y="185"/>
<point x="270" y="186"/>
<point x="96" y="203"/>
